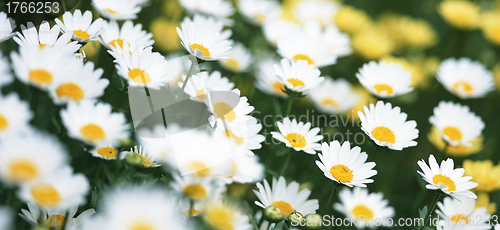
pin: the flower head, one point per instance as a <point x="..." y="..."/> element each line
<point x="298" y="135"/>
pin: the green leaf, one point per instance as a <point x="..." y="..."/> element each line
<point x="423" y="212"/>
<point x="254" y="222"/>
<point x="279" y="226"/>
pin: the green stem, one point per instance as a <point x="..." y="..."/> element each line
<point x="188" y="75"/>
<point x="191" y="207"/>
<point x="330" y="199"/>
<point x="446" y="145"/>
<point x="99" y="170"/>
<point x="375" y="149"/>
<point x="288" y="108"/>
<point x="436" y="199"/>
<point x="65" y="223"/>
<point x="289" y="155"/>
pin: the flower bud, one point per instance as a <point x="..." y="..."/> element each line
<point x="296" y="218"/>
<point x="273" y="214"/>
<point x="313" y="221"/>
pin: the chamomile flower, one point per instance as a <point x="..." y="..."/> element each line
<point x="141" y="67"/>
<point x="220" y="9"/>
<point x="462" y="214"/>
<point x="82" y="27"/>
<point x="208" y="21"/>
<point x="228" y="106"/>
<point x="208" y="44"/>
<point x="456" y="151"/>
<point x="484" y="173"/>
<point x="245" y="169"/>
<point x="178" y="66"/>
<point x="15" y="115"/>
<point x="301" y="46"/>
<point x="139" y="157"/>
<point x="465" y="78"/>
<point x="384" y="79"/>
<point x="360" y="206"/>
<point x="286" y="197"/>
<point x="334" y="96"/>
<point x="445" y="178"/>
<point x="318" y="11"/>
<point x="243" y="133"/>
<point x="199" y="85"/>
<point x="158" y="143"/>
<point x="456" y="123"/>
<point x="85" y="83"/>
<point x="298" y="136"/>
<point x="106" y="152"/>
<point x="240" y="59"/>
<point x="6" y="27"/>
<point x="116" y="9"/>
<point x="28" y="158"/>
<point x="197" y="188"/>
<point x="298" y="76"/>
<point x="266" y="80"/>
<point x="345" y="165"/>
<point x="55" y="218"/>
<point x="339" y="43"/>
<point x="128" y="33"/>
<point x="94" y="123"/>
<point x="46" y="37"/>
<point x="388" y="127"/>
<point x="60" y="190"/>
<point x="5" y="71"/>
<point x="257" y="11"/>
<point x="276" y="28"/>
<point x="225" y="215"/>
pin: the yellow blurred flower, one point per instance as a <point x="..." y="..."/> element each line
<point x="352" y="20"/>
<point x="496" y="74"/>
<point x="288" y="9"/>
<point x="91" y="49"/>
<point x="372" y="43"/>
<point x="490" y="25"/>
<point x="172" y="9"/>
<point x="418" y="74"/>
<point x="460" y="13"/>
<point x="365" y="98"/>
<point x="483" y="200"/>
<point x="457" y="151"/>
<point x="484" y="173"/>
<point x="165" y="35"/>
<point x="417" y="32"/>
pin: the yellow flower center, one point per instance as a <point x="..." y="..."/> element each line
<point x="4" y="123"/>
<point x="201" y="94"/>
<point x="303" y="57"/>
<point x="232" y="64"/>
<point x="224" y="111"/>
<point x="93" y="132"/>
<point x="453" y="133"/>
<point x="296" y="140"/>
<point x="55" y="221"/>
<point x="458" y="217"/>
<point x="361" y="212"/>
<point x="139" y="76"/>
<point x="45" y="194"/>
<point x="383" y="87"/>
<point x="70" y="90"/>
<point x="111" y="11"/>
<point x="118" y="40"/>
<point x="23" y="170"/>
<point x="296" y="82"/>
<point x="193" y="212"/>
<point x="341" y="173"/>
<point x="383" y="134"/>
<point x="330" y="102"/>
<point x="195" y="191"/>
<point x="445" y="180"/>
<point x="81" y="34"/>
<point x="202" y="48"/>
<point x="42" y="45"/>
<point x="465" y="86"/>
<point x="278" y="87"/>
<point x="284" y="206"/>
<point x="107" y="152"/>
<point x="219" y="217"/>
<point x="40" y="77"/>
<point x="200" y="168"/>
<point x="237" y="140"/>
<point x="145" y="160"/>
<point x="142" y="226"/>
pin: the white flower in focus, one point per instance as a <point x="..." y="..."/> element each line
<point x="45" y="37"/>
<point x="384" y="79"/>
<point x="298" y="76"/>
<point x="128" y="33"/>
<point x="82" y="27"/>
<point x="298" y="136"/>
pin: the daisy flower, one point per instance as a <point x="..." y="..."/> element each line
<point x="208" y="44"/>
<point x="15" y="115"/>
<point x="455" y="151"/>
<point x="445" y="178"/>
<point x="225" y="215"/>
<point x="5" y="71"/>
<point x="456" y="123"/>
<point x="158" y="143"/>
<point x="345" y="165"/>
<point x="334" y="96"/>
<point x="462" y="214"/>
<point x="228" y="106"/>
<point x="6" y="27"/>
<point x="60" y="190"/>
<point x="105" y="152"/>
<point x="116" y="9"/>
<point x="388" y="127"/>
<point x="360" y="206"/>
<point x="298" y="76"/>
<point x="317" y="11"/>
<point x="94" y="123"/>
<point x="275" y="28"/>
<point x="286" y="197"/>
<point x="199" y="85"/>
<point x="197" y="188"/>
<point x="82" y="27"/>
<point x="141" y="67"/>
<point x="128" y="33"/>
<point x="55" y="218"/>
<point x="208" y="21"/>
<point x="240" y="59"/>
<point x="220" y="9"/>
<point x="28" y="158"/>
<point x="336" y="42"/>
<point x="298" y="136"/>
<point x="384" y="79"/>
<point x="46" y="37"/>
<point x="257" y="11"/>
<point x="178" y="66"/>
<point x="85" y="83"/>
<point x="465" y="78"/>
<point x="301" y="46"/>
<point x="140" y="157"/>
<point x="245" y="169"/>
<point x="243" y="133"/>
<point x="266" y="81"/>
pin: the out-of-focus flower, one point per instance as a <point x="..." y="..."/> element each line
<point x="388" y="127"/>
<point x="465" y="78"/>
<point x="372" y="43"/>
<point x="462" y="14"/>
<point x="352" y="20"/>
<point x="361" y="206"/>
<point x="257" y="11"/>
<point x="6" y="218"/>
<point x="457" y="125"/>
<point x="105" y="152"/>
<point x="302" y="46"/>
<point x="240" y="59"/>
<point x="82" y="27"/>
<point x="6" y="26"/>
<point x="484" y="173"/>
<point x="165" y="35"/>
<point x="384" y="79"/>
<point x="298" y="76"/>
<point x="298" y="135"/>
<point x="225" y="109"/>
<point x="220" y="9"/>
<point x="456" y="151"/>
<point x="365" y="98"/>
<point x="334" y="96"/>
<point x="246" y="169"/>
<point x="116" y="9"/>
<point x="406" y="31"/>
<point x="318" y="11"/>
<point x="460" y="213"/>
<point x="496" y="74"/>
<point x="178" y="66"/>
<point x="276" y="28"/>
<point x="15" y="115"/>
<point x="225" y="215"/>
<point x="345" y="165"/>
<point x="490" y="25"/>
<point x="445" y="178"/>
<point x="419" y="77"/>
<point x="266" y="80"/>
<point x="140" y="158"/>
<point x="55" y="218"/>
<point x="483" y="200"/>
<point x="45" y="37"/>
<point x="128" y="33"/>
<point x="94" y="123"/>
<point x="243" y="133"/>
<point x="196" y="188"/>
<point x="286" y="197"/>
<point x="336" y="42"/>
<point x="158" y="143"/>
<point x="5" y="71"/>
